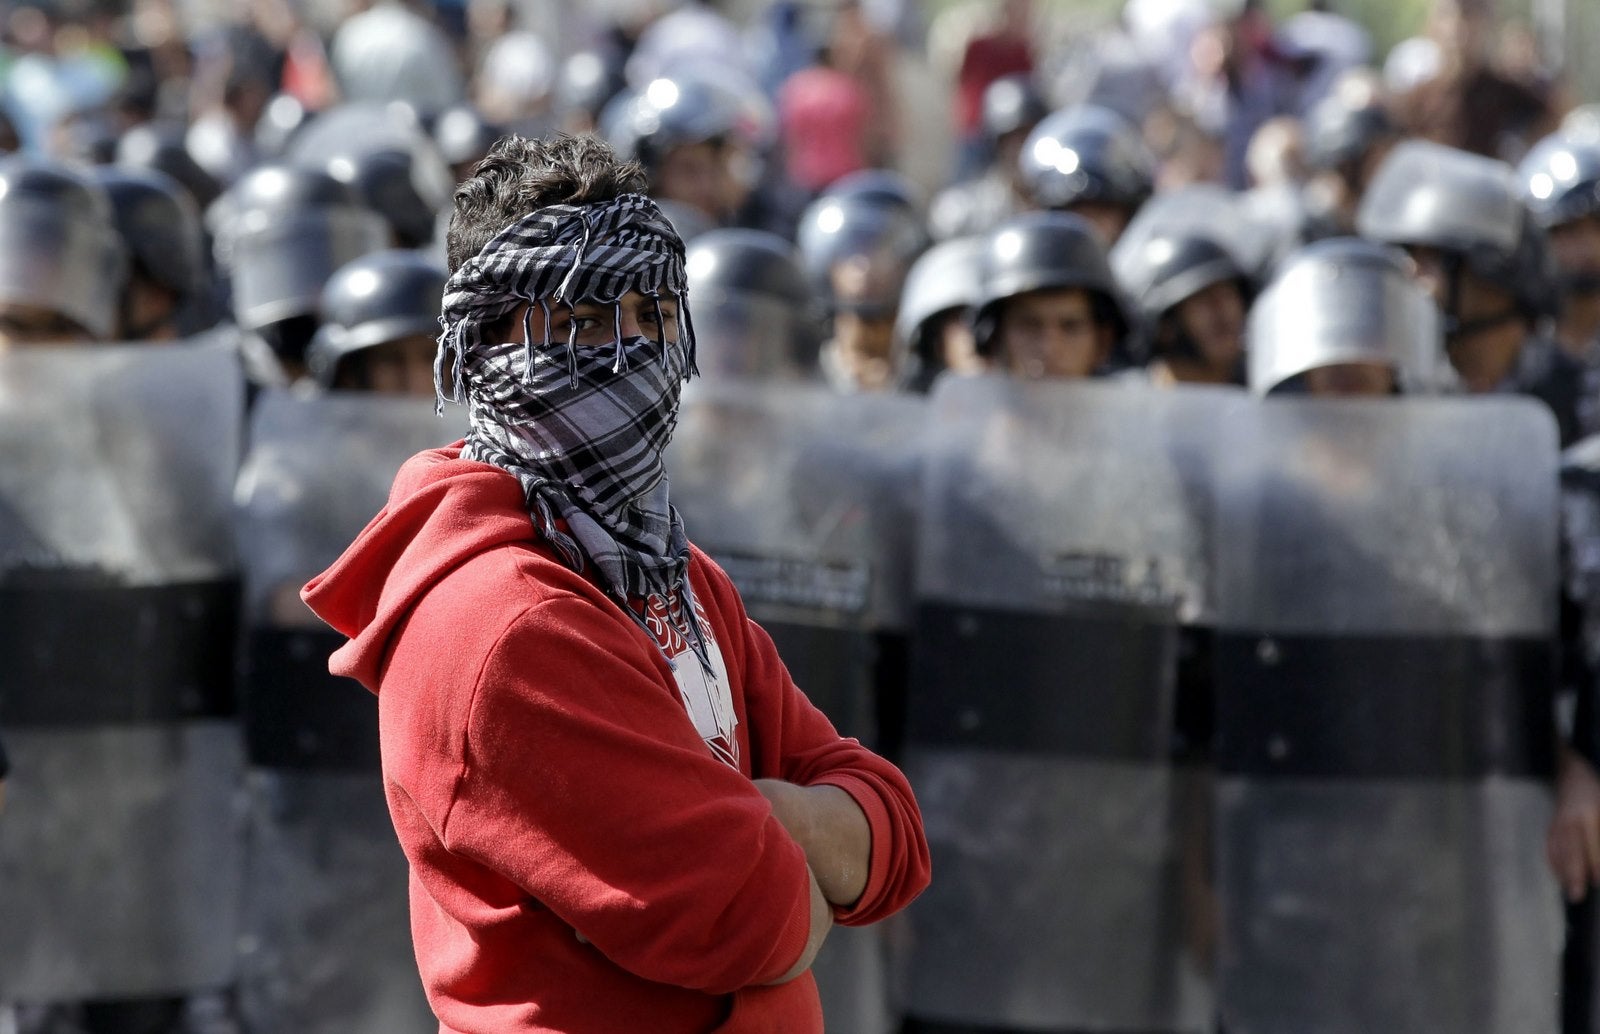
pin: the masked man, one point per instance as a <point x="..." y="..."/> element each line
<point x="619" y="811"/>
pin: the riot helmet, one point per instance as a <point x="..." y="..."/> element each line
<point x="1087" y="155"/>
<point x="389" y="53"/>
<point x="856" y="250"/>
<point x="283" y="117"/>
<point x="1560" y="179"/>
<point x="463" y="137"/>
<point x="160" y="226"/>
<point x="838" y="229"/>
<point x="1162" y="272"/>
<point x="753" y="312"/>
<point x="281" y="232"/>
<point x="382" y="151"/>
<point x="935" y="308"/>
<point x="1011" y="104"/>
<point x="1340" y="302"/>
<point x="386" y="298"/>
<point x="1340" y="131"/>
<point x="61" y="259"/>
<point x="1469" y="209"/>
<point x="883" y="188"/>
<point x="700" y="138"/>
<point x="161" y="146"/>
<point x="587" y="83"/>
<point x="1038" y="252"/>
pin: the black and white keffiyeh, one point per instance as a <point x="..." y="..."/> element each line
<point x="582" y="428"/>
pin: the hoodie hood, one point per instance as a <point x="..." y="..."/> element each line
<point x="442" y="511"/>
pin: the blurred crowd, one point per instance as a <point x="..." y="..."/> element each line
<point x="874" y="195"/>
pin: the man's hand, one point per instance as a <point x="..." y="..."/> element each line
<point x="1573" y="843"/>
<point x="830" y="827"/>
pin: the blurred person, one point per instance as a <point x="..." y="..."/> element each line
<point x="1091" y="162"/>
<point x="1560" y="180"/>
<point x="934" y="321"/>
<point x="1486" y="263"/>
<point x="237" y="73"/>
<point x="755" y="314"/>
<point x="62" y="264"/>
<point x="380" y="318"/>
<point x="89" y="258"/>
<point x="281" y="231"/>
<point x="1276" y="154"/>
<point x="588" y="81"/>
<point x="463" y="136"/>
<point x="824" y="119"/>
<point x="515" y="81"/>
<point x="1012" y="107"/>
<point x="1348" y="134"/>
<point x="856" y="248"/>
<point x="383" y="153"/>
<point x="389" y="52"/>
<point x="166" y="294"/>
<point x="616" y="654"/>
<point x="1344" y="317"/>
<point x="1003" y="50"/>
<point x="857" y="47"/>
<point x="1192" y="297"/>
<point x="1241" y="74"/>
<point x="1465" y="102"/>
<point x="699" y="139"/>
<point x="160" y="146"/>
<point x="1048" y="305"/>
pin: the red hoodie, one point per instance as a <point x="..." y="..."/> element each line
<point x="587" y="849"/>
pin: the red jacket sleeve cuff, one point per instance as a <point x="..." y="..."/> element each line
<point x="879" y="863"/>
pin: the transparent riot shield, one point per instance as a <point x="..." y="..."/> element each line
<point x="328" y="945"/>
<point x="806" y="498"/>
<point x="1063" y="547"/>
<point x="1387" y="607"/>
<point x="121" y="845"/>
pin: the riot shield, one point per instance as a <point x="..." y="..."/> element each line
<point x="328" y="944"/>
<point x="1063" y="547"/>
<point x="806" y="499"/>
<point x="1387" y="606"/>
<point x="121" y="847"/>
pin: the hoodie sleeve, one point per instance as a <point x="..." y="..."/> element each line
<point x="584" y="783"/>
<point x="793" y="741"/>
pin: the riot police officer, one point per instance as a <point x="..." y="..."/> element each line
<point x="380" y="318"/>
<point x="108" y="584"/>
<point x="166" y="294"/>
<point x="856" y="248"/>
<point x="1487" y="265"/>
<point x="1344" y="317"/>
<point x="1560" y="181"/>
<point x="1048" y="305"/>
<point x="382" y="152"/>
<point x="935" y="317"/>
<point x="1347" y="136"/>
<point x="699" y="140"/>
<point x="754" y="314"/>
<point x="281" y="232"/>
<point x="62" y="265"/>
<point x="1012" y="106"/>
<point x="1091" y="161"/>
<point x="1192" y="297"/>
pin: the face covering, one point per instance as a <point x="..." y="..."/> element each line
<point x="582" y="428"/>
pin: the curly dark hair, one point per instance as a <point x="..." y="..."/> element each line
<point x="520" y="175"/>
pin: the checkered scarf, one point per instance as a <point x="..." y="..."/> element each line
<point x="582" y="428"/>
